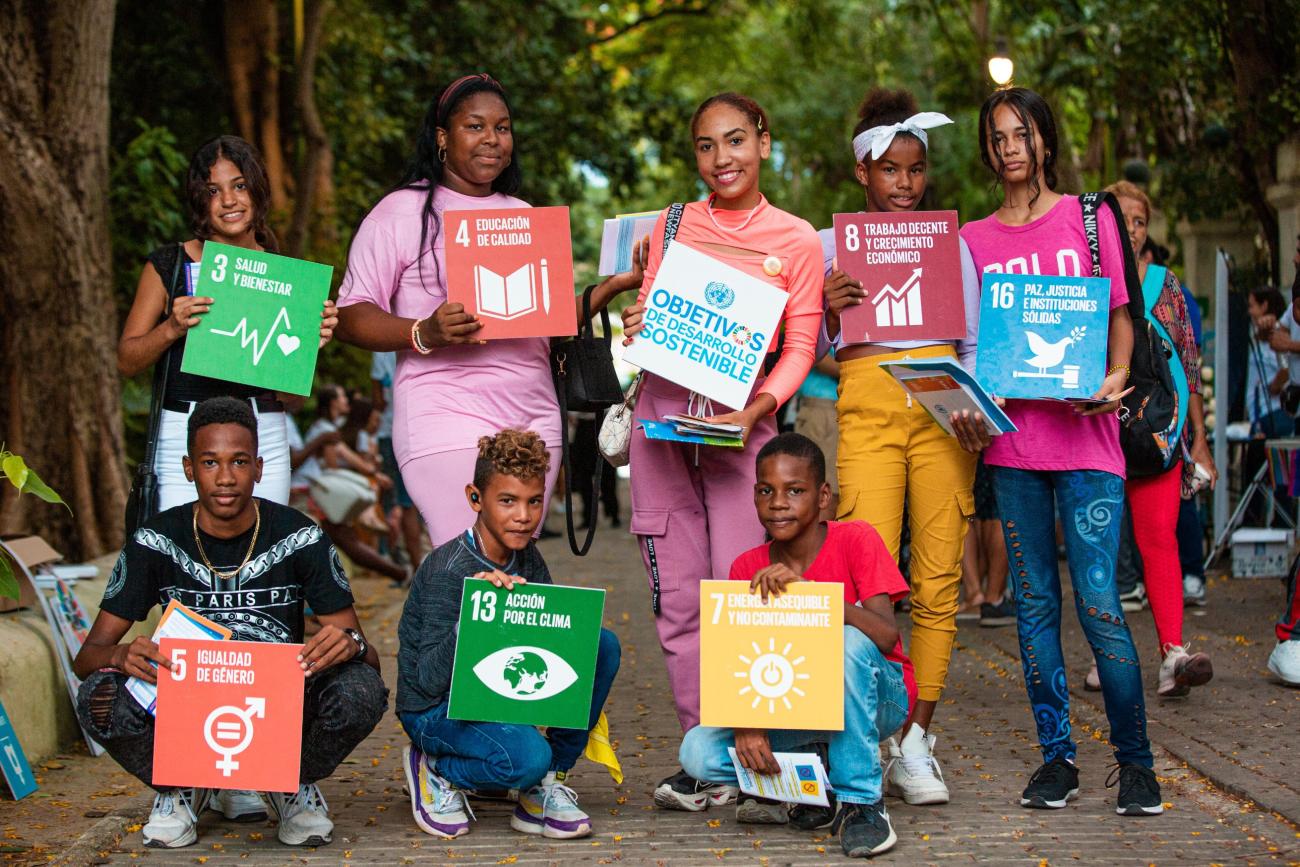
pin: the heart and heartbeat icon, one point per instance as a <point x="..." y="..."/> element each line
<point x="287" y="343"/>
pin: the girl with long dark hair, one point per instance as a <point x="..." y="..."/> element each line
<point x="1062" y="461"/>
<point x="452" y="387"/>
<point x="228" y="197"/>
<point x="687" y="502"/>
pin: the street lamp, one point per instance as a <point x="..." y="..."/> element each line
<point x="1000" y="66"/>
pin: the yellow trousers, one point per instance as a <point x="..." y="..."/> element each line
<point x="891" y="451"/>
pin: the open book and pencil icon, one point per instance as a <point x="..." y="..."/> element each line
<point x="512" y="295"/>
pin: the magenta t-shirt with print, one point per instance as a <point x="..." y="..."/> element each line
<point x="1052" y="436"/>
<point x="447" y="399"/>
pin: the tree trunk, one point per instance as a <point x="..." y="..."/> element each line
<point x="252" y="35"/>
<point x="58" y="333"/>
<point x="314" y="188"/>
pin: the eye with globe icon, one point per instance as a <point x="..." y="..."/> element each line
<point x="525" y="673"/>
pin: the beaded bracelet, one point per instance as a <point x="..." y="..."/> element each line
<point x="416" y="343"/>
<point x="1128" y="371"/>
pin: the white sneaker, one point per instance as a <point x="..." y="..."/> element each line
<point x="439" y="807"/>
<point x="1180" y="671"/>
<point x="304" y="817"/>
<point x="1284" y="661"/>
<point x="913" y="773"/>
<point x="681" y="791"/>
<point x="551" y="809"/>
<point x="1194" y="591"/>
<point x="1135" y="599"/>
<point x="174" y="820"/>
<point x="238" y="805"/>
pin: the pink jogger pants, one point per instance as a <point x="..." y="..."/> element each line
<point x="693" y="513"/>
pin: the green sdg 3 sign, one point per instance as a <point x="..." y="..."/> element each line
<point x="526" y="656"/>
<point x="264" y="325"/>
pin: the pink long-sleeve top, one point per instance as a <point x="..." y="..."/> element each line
<point x="768" y="231"/>
<point x="446" y="400"/>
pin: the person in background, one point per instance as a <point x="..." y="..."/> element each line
<point x="228" y="197"/>
<point x="896" y="464"/>
<point x="1155" y="501"/>
<point x="816" y="418"/>
<point x="585" y="457"/>
<point x="451" y="386"/>
<point x="984" y="565"/>
<point x="383" y="372"/>
<point x="324" y="449"/>
<point x="685" y="498"/>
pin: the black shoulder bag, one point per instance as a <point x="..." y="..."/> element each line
<point x="585" y="381"/>
<point x="142" y="502"/>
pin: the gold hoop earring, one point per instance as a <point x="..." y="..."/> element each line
<point x="442" y="155"/>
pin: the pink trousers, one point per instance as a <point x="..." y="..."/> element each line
<point x="693" y="513"/>
<point x="437" y="483"/>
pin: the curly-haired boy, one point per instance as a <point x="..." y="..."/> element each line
<point x="446" y="757"/>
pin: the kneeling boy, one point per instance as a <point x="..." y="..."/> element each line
<point x="448" y="756"/>
<point x="247" y="564"/>
<point x="790" y="494"/>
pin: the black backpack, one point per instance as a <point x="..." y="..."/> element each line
<point x="1149" y="418"/>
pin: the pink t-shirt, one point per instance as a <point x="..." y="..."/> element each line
<point x="768" y="231"/>
<point x="1052" y="436"/>
<point x="445" y="400"/>
<point x="853" y="555"/>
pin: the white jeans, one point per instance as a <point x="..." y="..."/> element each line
<point x="272" y="446"/>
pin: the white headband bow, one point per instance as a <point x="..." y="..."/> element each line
<point x="878" y="139"/>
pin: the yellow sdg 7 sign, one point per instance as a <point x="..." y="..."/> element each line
<point x="773" y="665"/>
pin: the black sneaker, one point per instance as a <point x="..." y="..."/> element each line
<point x="1002" y="614"/>
<point x="681" y="791"/>
<point x="864" y="829"/>
<point x="1052" y="786"/>
<point x="810" y="817"/>
<point x="1139" y="791"/>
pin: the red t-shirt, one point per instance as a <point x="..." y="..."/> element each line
<point x="855" y="556"/>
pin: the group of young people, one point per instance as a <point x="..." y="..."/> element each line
<point x="483" y="415"/>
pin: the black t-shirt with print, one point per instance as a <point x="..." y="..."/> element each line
<point x="293" y="560"/>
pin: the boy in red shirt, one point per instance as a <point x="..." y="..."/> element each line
<point x="790" y="494"/>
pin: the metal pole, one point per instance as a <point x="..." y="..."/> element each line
<point x="1221" y="396"/>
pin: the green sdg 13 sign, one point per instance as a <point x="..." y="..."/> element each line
<point x="526" y="656"/>
<point x="264" y="325"/>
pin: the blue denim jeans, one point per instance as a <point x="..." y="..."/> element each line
<point x="875" y="705"/>
<point x="484" y="755"/>
<point x="1090" y="504"/>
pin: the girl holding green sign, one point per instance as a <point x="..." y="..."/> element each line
<point x="228" y="196"/>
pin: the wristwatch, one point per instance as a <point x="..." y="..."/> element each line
<point x="356" y="636"/>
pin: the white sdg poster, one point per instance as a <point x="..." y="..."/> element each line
<point x="707" y="326"/>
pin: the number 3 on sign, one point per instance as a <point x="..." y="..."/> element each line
<point x="1004" y="295"/>
<point x="219" y="268"/>
<point x="485" y="604"/>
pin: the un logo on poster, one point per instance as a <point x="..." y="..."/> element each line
<point x="719" y="295"/>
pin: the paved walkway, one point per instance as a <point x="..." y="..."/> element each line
<point x="1228" y="759"/>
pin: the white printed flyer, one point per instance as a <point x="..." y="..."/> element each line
<point x="802" y="779"/>
<point x="708" y="326"/>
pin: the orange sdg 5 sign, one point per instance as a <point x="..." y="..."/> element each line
<point x="229" y="716"/>
<point x="773" y="665"/>
<point x="513" y="268"/>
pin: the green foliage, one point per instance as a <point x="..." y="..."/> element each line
<point x="25" y="481"/>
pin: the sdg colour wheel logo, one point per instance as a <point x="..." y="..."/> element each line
<point x="719" y="294"/>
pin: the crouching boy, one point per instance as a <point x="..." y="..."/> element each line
<point x="246" y="564"/>
<point x="446" y="757"/>
<point x="790" y="494"/>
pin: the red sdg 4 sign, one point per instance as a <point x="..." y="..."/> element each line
<point x="229" y="716"/>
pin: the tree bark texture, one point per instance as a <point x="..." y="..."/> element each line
<point x="314" y="187"/>
<point x="60" y="401"/>
<point x="252" y="62"/>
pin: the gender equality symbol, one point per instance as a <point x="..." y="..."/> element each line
<point x="230" y="737"/>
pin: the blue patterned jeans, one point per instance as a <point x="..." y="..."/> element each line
<point x="1090" y="503"/>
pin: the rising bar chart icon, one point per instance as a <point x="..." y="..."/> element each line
<point x="901" y="306"/>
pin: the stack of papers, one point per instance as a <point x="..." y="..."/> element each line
<point x="685" y="429"/>
<point x="177" y="621"/>
<point x="618" y="237"/>
<point x="943" y="387"/>
<point x="802" y="779"/>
